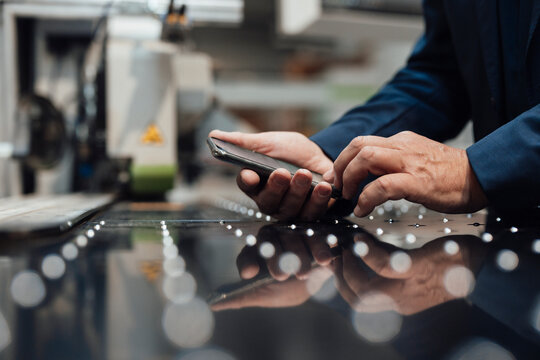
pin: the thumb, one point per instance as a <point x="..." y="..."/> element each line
<point x="247" y="141"/>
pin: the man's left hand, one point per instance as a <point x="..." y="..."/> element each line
<point x="410" y="167"/>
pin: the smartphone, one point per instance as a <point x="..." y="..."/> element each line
<point x="262" y="164"/>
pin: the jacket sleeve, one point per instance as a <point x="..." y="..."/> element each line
<point x="428" y="96"/>
<point x="507" y="163"/>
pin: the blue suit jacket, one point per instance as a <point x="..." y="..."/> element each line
<point x="453" y="75"/>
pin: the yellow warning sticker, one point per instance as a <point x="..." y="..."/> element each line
<point x="152" y="136"/>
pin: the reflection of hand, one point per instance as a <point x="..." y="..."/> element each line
<point x="285" y="240"/>
<point x="282" y="196"/>
<point x="418" y="287"/>
<point x="410" y="167"/>
<point x="287" y="290"/>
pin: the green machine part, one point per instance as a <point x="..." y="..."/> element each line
<point x="152" y="179"/>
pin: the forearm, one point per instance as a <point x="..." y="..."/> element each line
<point x="427" y="96"/>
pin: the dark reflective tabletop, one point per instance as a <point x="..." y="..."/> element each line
<point x="222" y="281"/>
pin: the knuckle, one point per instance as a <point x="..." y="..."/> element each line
<point x="358" y="141"/>
<point x="386" y="185"/>
<point x="363" y="199"/>
<point x="406" y="134"/>
<point x="367" y="153"/>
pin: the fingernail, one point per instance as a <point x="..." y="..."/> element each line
<point x="281" y="181"/>
<point x="329" y="176"/>
<point x="324" y="192"/>
<point x="301" y="181"/>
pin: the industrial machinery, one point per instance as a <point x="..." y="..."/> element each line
<point x="102" y="108"/>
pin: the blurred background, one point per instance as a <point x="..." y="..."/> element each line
<point x="119" y="95"/>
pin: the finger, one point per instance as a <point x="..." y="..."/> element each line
<point x="353" y="273"/>
<point x="319" y="249"/>
<point x="350" y="152"/>
<point x="293" y="243"/>
<point x="371" y="159"/>
<point x="366" y="289"/>
<point x="270" y="197"/>
<point x="296" y="195"/>
<point x="249" y="182"/>
<point x="247" y="141"/>
<point x="341" y="285"/>
<point x="247" y="263"/>
<point x="317" y="204"/>
<point x="271" y="236"/>
<point x="387" y="187"/>
<point x="378" y="259"/>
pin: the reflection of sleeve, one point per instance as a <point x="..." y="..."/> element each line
<point x="510" y="297"/>
<point x="507" y="162"/>
<point x="427" y="96"/>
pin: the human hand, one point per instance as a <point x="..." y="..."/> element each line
<point x="413" y="288"/>
<point x="279" y="288"/>
<point x="410" y="167"/>
<point x="281" y="196"/>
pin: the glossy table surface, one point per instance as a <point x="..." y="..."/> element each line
<point x="221" y="281"/>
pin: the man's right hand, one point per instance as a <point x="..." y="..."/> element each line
<point x="281" y="196"/>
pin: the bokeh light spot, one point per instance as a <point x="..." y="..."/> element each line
<point x="289" y="263"/>
<point x="360" y="248"/>
<point x="451" y="247"/>
<point x="251" y="240"/>
<point x="174" y="267"/>
<point x="189" y="324"/>
<point x="267" y="250"/>
<point x="458" y="281"/>
<point x="507" y="260"/>
<point x="410" y="238"/>
<point x="53" y="267"/>
<point x="400" y="261"/>
<point x="332" y="240"/>
<point x="372" y="323"/>
<point x="27" y="289"/>
<point x="70" y="251"/>
<point x="179" y="289"/>
<point x="482" y="349"/>
<point x="487" y="237"/>
<point x="81" y="241"/>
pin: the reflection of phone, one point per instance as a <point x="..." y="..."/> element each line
<point x="262" y="164"/>
<point x="243" y="287"/>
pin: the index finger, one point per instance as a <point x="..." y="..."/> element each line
<point x="245" y="140"/>
<point x="357" y="144"/>
<point x="379" y="259"/>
